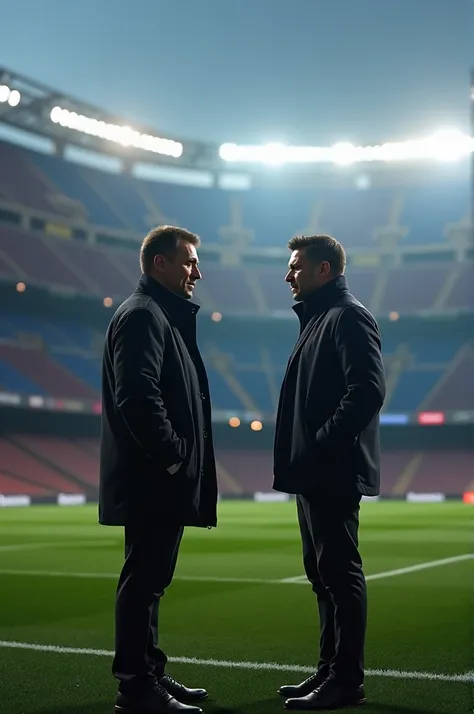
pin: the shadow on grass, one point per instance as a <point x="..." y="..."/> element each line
<point x="107" y="707"/>
<point x="273" y="706"/>
<point x="376" y="708"/>
<point x="263" y="706"/>
<point x="209" y="707"/>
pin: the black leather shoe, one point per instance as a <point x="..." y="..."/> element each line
<point x="155" y="700"/>
<point x="329" y="695"/>
<point x="303" y="688"/>
<point x="179" y="691"/>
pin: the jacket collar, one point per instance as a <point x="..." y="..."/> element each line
<point x="177" y="306"/>
<point x="322" y="299"/>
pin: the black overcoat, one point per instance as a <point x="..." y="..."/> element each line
<point x="327" y="426"/>
<point x="156" y="413"/>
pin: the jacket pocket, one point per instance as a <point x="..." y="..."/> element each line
<point x="189" y="467"/>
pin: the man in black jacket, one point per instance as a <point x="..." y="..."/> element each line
<point x="327" y="453"/>
<point x="158" y="470"/>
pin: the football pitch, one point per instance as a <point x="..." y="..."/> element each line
<point x="239" y="618"/>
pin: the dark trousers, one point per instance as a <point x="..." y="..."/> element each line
<point x="151" y="553"/>
<point x="329" y="528"/>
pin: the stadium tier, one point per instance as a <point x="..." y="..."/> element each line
<point x="69" y="265"/>
<point x="62" y="359"/>
<point x="263" y="216"/>
<point x="76" y="231"/>
<point x="39" y="191"/>
<point x="44" y="466"/>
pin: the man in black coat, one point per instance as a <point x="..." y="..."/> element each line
<point x="157" y="471"/>
<point x="326" y="452"/>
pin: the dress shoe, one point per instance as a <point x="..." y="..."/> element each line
<point x="179" y="691"/>
<point x="330" y="695"/>
<point x="155" y="700"/>
<point x="303" y="688"/>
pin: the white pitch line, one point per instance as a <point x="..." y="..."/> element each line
<point x="301" y="579"/>
<point x="298" y="580"/>
<point x="114" y="576"/>
<point x="420" y="566"/>
<point x="269" y="666"/>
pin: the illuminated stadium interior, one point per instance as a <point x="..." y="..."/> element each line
<point x="79" y="189"/>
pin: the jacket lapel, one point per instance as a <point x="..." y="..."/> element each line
<point x="302" y="339"/>
<point x="319" y="305"/>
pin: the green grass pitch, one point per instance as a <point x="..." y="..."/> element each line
<point x="58" y="572"/>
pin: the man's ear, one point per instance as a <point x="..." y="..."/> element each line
<point x="159" y="262"/>
<point x="325" y="268"/>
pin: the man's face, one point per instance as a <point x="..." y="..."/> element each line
<point x="179" y="273"/>
<point x="305" y="276"/>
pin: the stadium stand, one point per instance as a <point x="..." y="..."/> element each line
<point x="21" y="464"/>
<point x="270" y="215"/>
<point x="65" y="456"/>
<point x="21" y="183"/>
<point x="95" y="270"/>
<point x="14" y="487"/>
<point x="50" y="376"/>
<point x="413" y="216"/>
<point x="75" y="231"/>
<point x="52" y="464"/>
<point x="54" y="358"/>
<point x="402" y="471"/>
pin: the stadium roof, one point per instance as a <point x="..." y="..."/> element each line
<point x="79" y="123"/>
<point x="32" y="107"/>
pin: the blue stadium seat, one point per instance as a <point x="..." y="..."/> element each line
<point x="427" y="210"/>
<point x="240" y="351"/>
<point x="13" y="324"/>
<point x="59" y="333"/>
<point x="272" y="214"/>
<point x="201" y="210"/>
<point x="13" y="381"/>
<point x="435" y="350"/>
<point x="77" y="334"/>
<point x="121" y="190"/>
<point x="222" y="396"/>
<point x="85" y="368"/>
<point x="69" y="180"/>
<point x="411" y="390"/>
<point x="255" y="383"/>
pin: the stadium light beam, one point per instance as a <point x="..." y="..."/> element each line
<point x="124" y="135"/>
<point x="443" y="145"/>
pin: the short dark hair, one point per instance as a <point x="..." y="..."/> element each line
<point x="163" y="240"/>
<point x="321" y="248"/>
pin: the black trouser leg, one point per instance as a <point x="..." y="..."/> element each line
<point x="333" y="524"/>
<point x="155" y="655"/>
<point x="151" y="553"/>
<point x="327" y="642"/>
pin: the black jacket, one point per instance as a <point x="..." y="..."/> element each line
<point x="327" y="428"/>
<point x="156" y="412"/>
